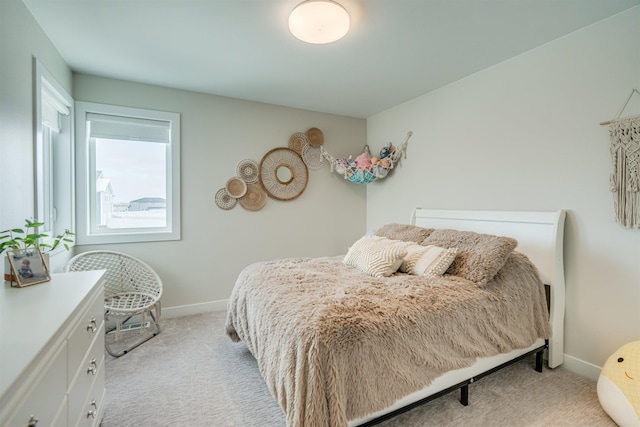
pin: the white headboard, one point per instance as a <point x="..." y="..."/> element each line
<point x="540" y="237"/>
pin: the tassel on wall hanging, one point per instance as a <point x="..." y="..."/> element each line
<point x="625" y="154"/>
<point x="367" y="168"/>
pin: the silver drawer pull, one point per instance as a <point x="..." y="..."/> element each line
<point x="92" y="413"/>
<point x="32" y="421"/>
<point x="92" y="326"/>
<point x="93" y="367"/>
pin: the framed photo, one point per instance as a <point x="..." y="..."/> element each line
<point x="28" y="267"/>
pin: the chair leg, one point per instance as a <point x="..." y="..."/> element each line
<point x="143" y="321"/>
<point x="110" y="348"/>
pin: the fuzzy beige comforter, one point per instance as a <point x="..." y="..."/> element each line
<point x="335" y="344"/>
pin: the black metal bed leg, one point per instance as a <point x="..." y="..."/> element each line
<point x="539" y="360"/>
<point x="464" y="395"/>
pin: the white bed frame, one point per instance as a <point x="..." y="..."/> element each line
<point x="540" y="237"/>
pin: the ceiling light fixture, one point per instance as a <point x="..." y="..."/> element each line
<point x="319" y="21"/>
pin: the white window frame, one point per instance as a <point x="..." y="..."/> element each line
<point x="53" y="159"/>
<point x="87" y="232"/>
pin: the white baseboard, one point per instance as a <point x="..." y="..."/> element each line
<point x="582" y="368"/>
<point x="186" y="310"/>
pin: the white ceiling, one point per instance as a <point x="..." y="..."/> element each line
<point x="396" y="49"/>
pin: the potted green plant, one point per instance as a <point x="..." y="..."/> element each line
<point x="21" y="240"/>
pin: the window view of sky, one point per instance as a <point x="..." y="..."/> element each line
<point x="136" y="169"/>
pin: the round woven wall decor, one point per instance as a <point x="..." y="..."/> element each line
<point x="224" y="200"/>
<point x="254" y="199"/>
<point x="315" y="136"/>
<point x="283" y="174"/>
<point x="236" y="187"/>
<point x="312" y="157"/>
<point x="298" y="141"/>
<point x="248" y="171"/>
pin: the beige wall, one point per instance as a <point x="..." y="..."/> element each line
<point x="524" y="135"/>
<point x="21" y="39"/>
<point x="217" y="133"/>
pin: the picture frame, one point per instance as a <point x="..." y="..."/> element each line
<point x="28" y="267"/>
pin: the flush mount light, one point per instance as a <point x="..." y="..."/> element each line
<point x="319" y="21"/>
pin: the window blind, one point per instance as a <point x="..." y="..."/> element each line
<point x="52" y="107"/>
<point x="107" y="126"/>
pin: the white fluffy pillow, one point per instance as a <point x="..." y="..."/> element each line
<point x="427" y="260"/>
<point x="376" y="256"/>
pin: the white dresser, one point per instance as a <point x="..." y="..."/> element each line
<point x="52" y="352"/>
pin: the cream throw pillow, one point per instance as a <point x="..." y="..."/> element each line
<point x="376" y="256"/>
<point x="427" y="260"/>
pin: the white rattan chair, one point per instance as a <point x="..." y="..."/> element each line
<point x="131" y="288"/>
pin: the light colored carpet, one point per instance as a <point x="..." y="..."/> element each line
<point x="191" y="374"/>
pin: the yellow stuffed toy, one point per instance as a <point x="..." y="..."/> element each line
<point x="619" y="385"/>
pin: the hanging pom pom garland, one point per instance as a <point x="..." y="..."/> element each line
<point x="367" y="168"/>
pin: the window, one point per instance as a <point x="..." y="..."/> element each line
<point x="53" y="148"/>
<point x="128" y="174"/>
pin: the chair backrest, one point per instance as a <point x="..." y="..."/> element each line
<point x="124" y="273"/>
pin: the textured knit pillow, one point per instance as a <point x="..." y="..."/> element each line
<point x="480" y="256"/>
<point x="427" y="260"/>
<point x="376" y="256"/>
<point x="404" y="232"/>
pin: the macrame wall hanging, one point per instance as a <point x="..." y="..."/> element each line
<point x="367" y="168"/>
<point x="625" y="155"/>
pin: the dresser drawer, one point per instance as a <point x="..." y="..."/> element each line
<point x="91" y="368"/>
<point x="84" y="334"/>
<point x="46" y="398"/>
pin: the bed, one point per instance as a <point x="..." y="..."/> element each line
<point x="338" y="345"/>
